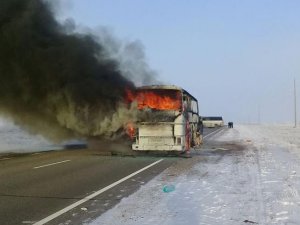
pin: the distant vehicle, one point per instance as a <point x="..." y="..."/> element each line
<point x="213" y="121"/>
<point x="168" y="118"/>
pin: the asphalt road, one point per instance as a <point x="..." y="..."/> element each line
<point x="210" y="131"/>
<point x="34" y="186"/>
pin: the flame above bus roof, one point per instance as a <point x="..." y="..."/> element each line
<point x="167" y="87"/>
<point x="156" y="97"/>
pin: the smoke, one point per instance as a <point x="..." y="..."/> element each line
<point x="60" y="83"/>
<point x="130" y="55"/>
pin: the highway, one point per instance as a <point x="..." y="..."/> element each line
<point x="36" y="188"/>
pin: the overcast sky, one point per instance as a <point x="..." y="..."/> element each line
<point x="238" y="58"/>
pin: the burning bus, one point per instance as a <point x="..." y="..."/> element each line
<point x="168" y="118"/>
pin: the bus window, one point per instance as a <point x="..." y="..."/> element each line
<point x="194" y="106"/>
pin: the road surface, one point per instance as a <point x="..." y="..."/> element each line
<point x="35" y="186"/>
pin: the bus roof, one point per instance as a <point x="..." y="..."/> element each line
<point x="212" y="118"/>
<point x="168" y="87"/>
<point x="172" y="87"/>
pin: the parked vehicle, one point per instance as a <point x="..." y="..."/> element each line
<point x="213" y="121"/>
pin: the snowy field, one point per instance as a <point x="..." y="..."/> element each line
<point x="246" y="175"/>
<point x="13" y="139"/>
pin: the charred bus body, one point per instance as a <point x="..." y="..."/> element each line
<point x="169" y="119"/>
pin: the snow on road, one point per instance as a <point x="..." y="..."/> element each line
<point x="246" y="175"/>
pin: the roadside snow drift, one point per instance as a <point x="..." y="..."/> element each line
<point x="246" y="175"/>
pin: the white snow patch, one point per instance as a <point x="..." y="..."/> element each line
<point x="258" y="183"/>
<point x="14" y="139"/>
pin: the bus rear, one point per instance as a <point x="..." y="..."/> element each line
<point x="165" y="122"/>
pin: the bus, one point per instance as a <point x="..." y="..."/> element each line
<point x="168" y="118"/>
<point x="212" y="121"/>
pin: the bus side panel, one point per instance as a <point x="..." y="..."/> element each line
<point x="179" y="130"/>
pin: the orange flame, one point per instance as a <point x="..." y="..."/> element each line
<point x="130" y="130"/>
<point x="161" y="100"/>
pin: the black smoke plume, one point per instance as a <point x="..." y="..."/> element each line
<point x="53" y="82"/>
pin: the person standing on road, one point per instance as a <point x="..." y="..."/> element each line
<point x="199" y="133"/>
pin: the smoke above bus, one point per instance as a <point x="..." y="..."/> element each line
<point x="58" y="83"/>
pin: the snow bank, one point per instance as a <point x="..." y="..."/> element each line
<point x="245" y="175"/>
<point x="13" y="139"/>
<point x="278" y="150"/>
<point x="283" y="135"/>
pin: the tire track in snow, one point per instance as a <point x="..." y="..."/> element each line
<point x="280" y="185"/>
<point x="259" y="190"/>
